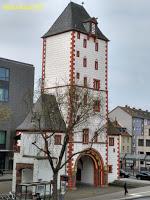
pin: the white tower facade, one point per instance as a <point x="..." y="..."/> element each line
<point x="75" y="52"/>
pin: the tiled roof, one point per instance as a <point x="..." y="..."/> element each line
<point x="136" y="112"/>
<point x="72" y="18"/>
<point x="114" y="128"/>
<point x="44" y="116"/>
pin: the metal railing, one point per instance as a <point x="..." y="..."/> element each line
<point x="9" y="196"/>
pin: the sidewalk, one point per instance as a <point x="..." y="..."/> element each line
<point x="133" y="194"/>
<point x="85" y="192"/>
<point x="6" y="177"/>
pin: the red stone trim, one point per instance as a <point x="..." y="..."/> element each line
<point x="106" y="89"/>
<point x="118" y="156"/>
<point x="71" y="83"/>
<point x="43" y="63"/>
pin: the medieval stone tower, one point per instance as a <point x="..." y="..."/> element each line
<point x="75" y="50"/>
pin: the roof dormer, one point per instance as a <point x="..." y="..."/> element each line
<point x="90" y="25"/>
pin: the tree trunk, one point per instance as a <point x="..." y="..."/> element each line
<point x="55" y="195"/>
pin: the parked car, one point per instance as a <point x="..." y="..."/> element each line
<point x="124" y="174"/>
<point x="143" y="175"/>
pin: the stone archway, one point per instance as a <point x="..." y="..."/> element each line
<point x="89" y="168"/>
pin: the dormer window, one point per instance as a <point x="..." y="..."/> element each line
<point x="90" y="25"/>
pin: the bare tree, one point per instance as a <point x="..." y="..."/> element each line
<point x="76" y="106"/>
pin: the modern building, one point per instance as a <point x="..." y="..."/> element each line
<point x="16" y="80"/>
<point x="135" y="121"/>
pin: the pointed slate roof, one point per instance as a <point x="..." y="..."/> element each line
<point x="114" y="128"/>
<point x="72" y="18"/>
<point x="46" y="110"/>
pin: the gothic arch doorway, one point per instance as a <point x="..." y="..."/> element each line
<point x="89" y="168"/>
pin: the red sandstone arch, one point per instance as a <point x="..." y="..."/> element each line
<point x="97" y="163"/>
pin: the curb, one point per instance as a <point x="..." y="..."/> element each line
<point x="3" y="180"/>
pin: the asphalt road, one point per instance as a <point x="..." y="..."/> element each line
<point x="5" y="186"/>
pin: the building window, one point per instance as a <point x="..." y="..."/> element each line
<point x="85" y="100"/>
<point x="111" y="141"/>
<point x="148" y="143"/>
<point x="3" y="94"/>
<point x="78" y="75"/>
<point x="4" y="74"/>
<point x="85" y="136"/>
<point x="84" y="43"/>
<point x="78" y="35"/>
<point x="2" y="139"/>
<point x="122" y="148"/>
<point x="95" y="138"/>
<point x="96" y="84"/>
<point x="109" y="168"/>
<point x="141" y="142"/>
<point x="85" y="82"/>
<point x="149" y="132"/>
<point x="96" y="65"/>
<point x="84" y="62"/>
<point x="57" y="139"/>
<point x="96" y="46"/>
<point x="127" y="149"/>
<point x="97" y="106"/>
<point x="78" y="53"/>
<point x="4" y="84"/>
<point x="141" y="162"/>
<point x="141" y="152"/>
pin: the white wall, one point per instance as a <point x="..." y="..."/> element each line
<point x="91" y="56"/>
<point x="57" y="59"/>
<point x="113" y="159"/>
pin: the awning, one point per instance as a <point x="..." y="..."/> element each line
<point x="141" y="157"/>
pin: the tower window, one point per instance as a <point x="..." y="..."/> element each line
<point x="85" y="81"/>
<point x="78" y="54"/>
<point x="85" y="136"/>
<point x="96" y="84"/>
<point x="57" y="139"/>
<point x="78" y="75"/>
<point x="96" y="46"/>
<point x="84" y="62"/>
<point x="84" y="43"/>
<point x="97" y="105"/>
<point x="111" y="141"/>
<point x="78" y="35"/>
<point x="85" y="99"/>
<point x="96" y="65"/>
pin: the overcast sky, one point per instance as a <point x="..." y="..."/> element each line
<point x="125" y="22"/>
